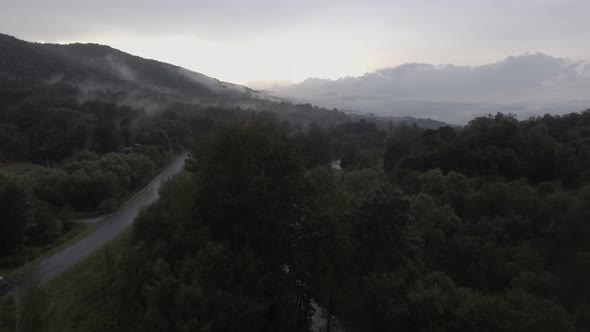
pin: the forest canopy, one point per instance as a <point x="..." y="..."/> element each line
<point x="259" y="232"/>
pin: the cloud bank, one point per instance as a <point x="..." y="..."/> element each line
<point x="527" y="85"/>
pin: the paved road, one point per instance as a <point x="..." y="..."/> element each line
<point x="107" y="227"/>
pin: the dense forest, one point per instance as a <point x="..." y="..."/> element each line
<point x="480" y="228"/>
<point x="84" y="126"/>
<point x="88" y="156"/>
<point x="77" y="138"/>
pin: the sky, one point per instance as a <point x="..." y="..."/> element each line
<point x="243" y="41"/>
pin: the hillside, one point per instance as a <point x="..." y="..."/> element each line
<point x="147" y="73"/>
<point x="93" y="66"/>
<point x="102" y="72"/>
<point x="30" y="62"/>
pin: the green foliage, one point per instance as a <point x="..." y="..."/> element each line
<point x="17" y="213"/>
<point x="211" y="254"/>
<point x="540" y="149"/>
<point x="75" y="301"/>
<point x="248" y="239"/>
<point x="27" y="225"/>
<point x="87" y="182"/>
<point x="8" y="314"/>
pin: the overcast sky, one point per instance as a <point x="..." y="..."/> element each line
<point x="241" y="40"/>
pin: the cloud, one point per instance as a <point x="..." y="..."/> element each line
<point x="239" y="41"/>
<point x="528" y="84"/>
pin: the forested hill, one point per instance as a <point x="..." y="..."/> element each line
<point x="100" y="65"/>
<point x="149" y="73"/>
<point x="30" y="62"/>
<point x="102" y="72"/>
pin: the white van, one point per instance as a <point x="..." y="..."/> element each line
<point x="4" y="286"/>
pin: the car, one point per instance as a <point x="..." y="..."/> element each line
<point x="4" y="286"/>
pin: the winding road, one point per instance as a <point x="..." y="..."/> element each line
<point x="107" y="227"/>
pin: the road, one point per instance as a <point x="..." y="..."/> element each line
<point x="107" y="227"/>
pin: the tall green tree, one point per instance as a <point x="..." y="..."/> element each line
<point x="16" y="209"/>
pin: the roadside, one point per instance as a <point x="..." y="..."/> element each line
<point x="96" y="232"/>
<point x="68" y="302"/>
<point x="92" y="217"/>
<point x="69" y="296"/>
<point x="80" y="231"/>
<point x="79" y="225"/>
<point x="106" y="229"/>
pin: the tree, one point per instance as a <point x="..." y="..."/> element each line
<point x="17" y="213"/>
<point x="248" y="184"/>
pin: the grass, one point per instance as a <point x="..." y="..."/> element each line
<point x="78" y="232"/>
<point x="72" y="300"/>
<point x="35" y="299"/>
<point x="21" y="172"/>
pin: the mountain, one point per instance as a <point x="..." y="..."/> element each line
<point x="148" y="73"/>
<point x="528" y="84"/>
<point x="93" y="66"/>
<point x="102" y="72"/>
<point x="31" y="62"/>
